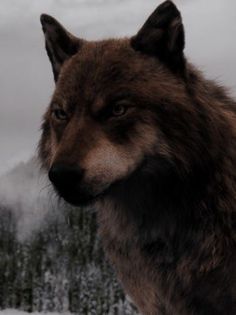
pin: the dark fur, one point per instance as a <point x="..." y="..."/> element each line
<point x="169" y="226"/>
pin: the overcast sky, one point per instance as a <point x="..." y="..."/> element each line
<point x="26" y="81"/>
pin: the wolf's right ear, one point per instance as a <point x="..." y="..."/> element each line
<point x="162" y="36"/>
<point x="60" y="44"/>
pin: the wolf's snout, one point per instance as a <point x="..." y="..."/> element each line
<point x="63" y="175"/>
<point x="68" y="181"/>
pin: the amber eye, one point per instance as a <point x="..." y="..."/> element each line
<point x="59" y="114"/>
<point x="119" y="110"/>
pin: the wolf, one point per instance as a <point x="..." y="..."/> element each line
<point x="136" y="130"/>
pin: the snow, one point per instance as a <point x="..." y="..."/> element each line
<point x="16" y="312"/>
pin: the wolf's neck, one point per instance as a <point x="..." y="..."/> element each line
<point x="165" y="217"/>
<point x="152" y="209"/>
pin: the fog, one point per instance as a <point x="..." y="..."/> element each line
<point x="25" y="191"/>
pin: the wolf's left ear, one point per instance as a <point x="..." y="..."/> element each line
<point x="162" y="35"/>
<point x="60" y="44"/>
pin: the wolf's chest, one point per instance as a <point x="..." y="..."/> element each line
<point x="135" y="271"/>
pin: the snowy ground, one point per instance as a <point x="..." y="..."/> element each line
<point x="15" y="312"/>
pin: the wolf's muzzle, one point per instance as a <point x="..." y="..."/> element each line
<point x="63" y="176"/>
<point x="67" y="180"/>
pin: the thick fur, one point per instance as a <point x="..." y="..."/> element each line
<point x="162" y="176"/>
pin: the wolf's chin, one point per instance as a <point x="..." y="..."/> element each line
<point x="78" y="199"/>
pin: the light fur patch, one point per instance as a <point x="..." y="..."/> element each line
<point x="108" y="162"/>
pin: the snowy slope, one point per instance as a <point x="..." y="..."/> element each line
<point x="16" y="312"/>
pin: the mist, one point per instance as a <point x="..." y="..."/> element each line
<point x="27" y="193"/>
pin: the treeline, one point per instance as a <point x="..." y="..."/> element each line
<point x="60" y="267"/>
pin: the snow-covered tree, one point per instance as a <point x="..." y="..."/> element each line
<point x="54" y="261"/>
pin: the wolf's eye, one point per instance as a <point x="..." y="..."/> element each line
<point x="119" y="109"/>
<point x="59" y="114"/>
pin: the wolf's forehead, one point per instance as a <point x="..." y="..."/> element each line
<point x="102" y="65"/>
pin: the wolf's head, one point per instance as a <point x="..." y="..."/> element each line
<point x="116" y="103"/>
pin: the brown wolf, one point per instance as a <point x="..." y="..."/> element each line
<point x="137" y="130"/>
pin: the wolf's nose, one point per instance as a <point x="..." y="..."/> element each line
<point x="65" y="175"/>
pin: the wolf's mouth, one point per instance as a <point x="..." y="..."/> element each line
<point x="79" y="195"/>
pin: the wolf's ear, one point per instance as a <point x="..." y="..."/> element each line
<point x="60" y="44"/>
<point x="162" y="35"/>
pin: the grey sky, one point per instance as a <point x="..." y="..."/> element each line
<point x="26" y="81"/>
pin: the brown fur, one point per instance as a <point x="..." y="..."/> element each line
<point x="162" y="176"/>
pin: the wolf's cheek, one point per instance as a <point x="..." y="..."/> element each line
<point x="48" y="145"/>
<point x="51" y="146"/>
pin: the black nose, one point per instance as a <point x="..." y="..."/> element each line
<point x="65" y="176"/>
